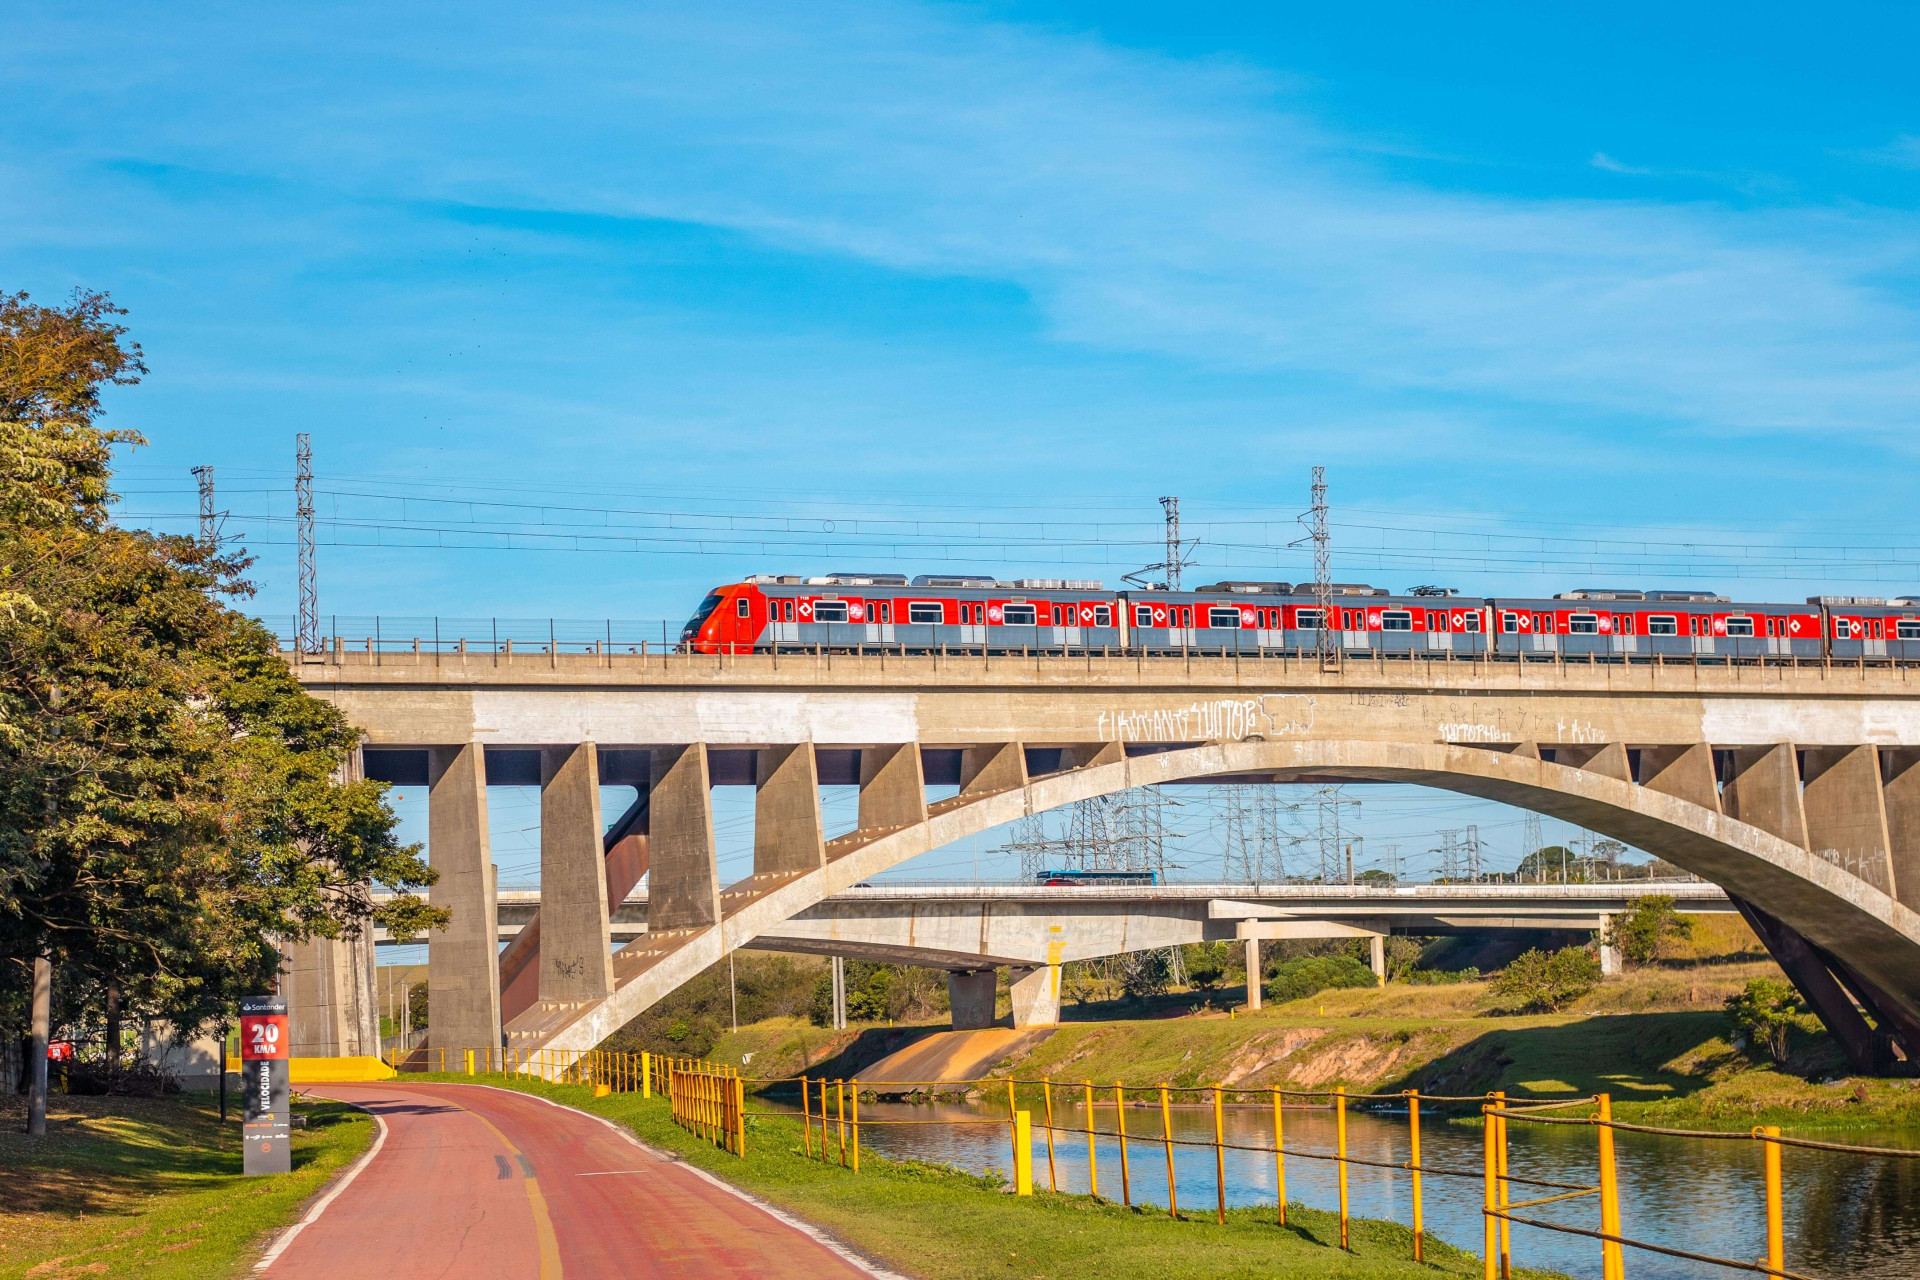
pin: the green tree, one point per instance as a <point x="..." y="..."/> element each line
<point x="1767" y="1011"/>
<point x="1207" y="963"/>
<point x="1642" y="931"/>
<point x="1540" y="983"/>
<point x="1309" y="975"/>
<point x="170" y="802"/>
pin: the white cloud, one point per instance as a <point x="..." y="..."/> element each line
<point x="1182" y="208"/>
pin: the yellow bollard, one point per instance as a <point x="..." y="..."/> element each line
<point x="1340" y="1139"/>
<point x="1279" y="1157"/>
<point x="1166" y="1140"/>
<point x="1023" y="1153"/>
<point x="1219" y="1158"/>
<point x="1776" y="1232"/>
<point x="1490" y="1266"/>
<point x="1120" y="1122"/>
<point x="1500" y="1185"/>
<point x="1612" y="1263"/>
<point x="469" y="1062"/>
<point x="1093" y="1155"/>
<point x="1046" y="1094"/>
<point x="1413" y="1138"/>
<point x="806" y="1119"/>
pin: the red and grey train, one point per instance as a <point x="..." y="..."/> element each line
<point x="965" y="613"/>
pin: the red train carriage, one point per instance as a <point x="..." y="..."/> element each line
<point x="1871" y="626"/>
<point x="956" y="611"/>
<point x="1276" y="616"/>
<point x="1631" y="623"/>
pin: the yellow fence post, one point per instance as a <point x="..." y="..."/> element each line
<point x="1166" y="1139"/>
<point x="806" y="1119"/>
<point x="1490" y="1258"/>
<point x="1093" y="1155"/>
<point x="469" y="1062"/>
<point x="1776" y="1227"/>
<point x="1279" y="1157"/>
<point x="1501" y="1187"/>
<point x="855" y="1091"/>
<point x="1340" y="1140"/>
<point x="1612" y="1263"/>
<point x="1413" y="1139"/>
<point x="1023" y="1153"/>
<point x="1046" y="1094"/>
<point x="1219" y="1157"/>
<point x="1120" y="1121"/>
<point x="740" y="1111"/>
<point x="1013" y="1123"/>
<point x="823" y="1119"/>
<point x="840" y="1107"/>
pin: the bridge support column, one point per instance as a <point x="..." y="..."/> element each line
<point x="683" y="876"/>
<point x="971" y="996"/>
<point x="839" y="993"/>
<point x="463" y="973"/>
<point x="893" y="788"/>
<point x="1764" y="791"/>
<point x="1685" y="773"/>
<point x="1253" y="973"/>
<point x="1902" y="798"/>
<point x="328" y="983"/>
<point x="787" y="830"/>
<point x="575" y="960"/>
<point x="986" y="770"/>
<point x="1377" y="958"/>
<point x="1609" y="954"/>
<point x="1036" y="996"/>
<point x="1845" y="811"/>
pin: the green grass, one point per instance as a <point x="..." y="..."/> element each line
<point x="939" y="1223"/>
<point x="151" y="1187"/>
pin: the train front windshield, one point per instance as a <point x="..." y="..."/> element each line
<point x="700" y="615"/>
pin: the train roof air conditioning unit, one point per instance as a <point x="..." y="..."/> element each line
<point x="1603" y="593"/>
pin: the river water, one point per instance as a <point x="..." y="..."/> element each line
<point x="1846" y="1216"/>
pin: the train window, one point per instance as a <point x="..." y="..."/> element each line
<point x="1020" y="615"/>
<point x="1306" y="619"/>
<point x="743" y="607"/>
<point x="1471" y="621"/>
<point x="1223" y="617"/>
<point x="923" y="612"/>
<point x="1103" y="615"/>
<point x="1583" y="624"/>
<point x="786" y="610"/>
<point x="1907" y="629"/>
<point x="1873" y="629"/>
<point x="1509" y="622"/>
<point x="1543" y="624"/>
<point x="1142" y="616"/>
<point x="883" y="611"/>
<point x="829" y="610"/>
<point x="1396" y="620"/>
<point x="1739" y="626"/>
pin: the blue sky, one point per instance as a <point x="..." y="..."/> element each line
<point x="587" y="306"/>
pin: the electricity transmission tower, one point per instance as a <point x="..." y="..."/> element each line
<point x="1179" y="553"/>
<point x="1122" y="832"/>
<point x="1253" y="835"/>
<point x="1316" y="522"/>
<point x="308" y="627"/>
<point x="1530" y="840"/>
<point x="1319" y="823"/>
<point x="1471" y="847"/>
<point x="208" y="533"/>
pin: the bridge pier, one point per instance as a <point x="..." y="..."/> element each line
<point x="970" y="994"/>
<point x="575" y="961"/>
<point x="788" y="835"/>
<point x="1845" y="810"/>
<point x="1036" y="996"/>
<point x="683" y="877"/>
<point x="1377" y="959"/>
<point x="463" y="974"/>
<point x="1253" y="973"/>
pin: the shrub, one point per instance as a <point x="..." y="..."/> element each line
<point x="1207" y="963"/>
<point x="1642" y="931"/>
<point x="1766" y="1011"/>
<point x="1540" y="983"/>
<point x="1298" y="979"/>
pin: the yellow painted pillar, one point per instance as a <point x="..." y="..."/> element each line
<point x="1023" y="1153"/>
<point x="1776" y="1223"/>
<point x="1612" y="1264"/>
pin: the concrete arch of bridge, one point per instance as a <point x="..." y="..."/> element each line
<point x="1846" y="916"/>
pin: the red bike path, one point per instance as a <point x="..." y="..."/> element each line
<point x="473" y="1181"/>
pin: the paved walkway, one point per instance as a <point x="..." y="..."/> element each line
<point x="490" y="1183"/>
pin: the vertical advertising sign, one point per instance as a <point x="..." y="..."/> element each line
<point x="266" y="1128"/>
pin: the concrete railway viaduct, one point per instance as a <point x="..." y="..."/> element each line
<point x="1792" y="788"/>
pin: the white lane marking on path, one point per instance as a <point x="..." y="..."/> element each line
<point x="836" y="1247"/>
<point x="320" y="1206"/>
